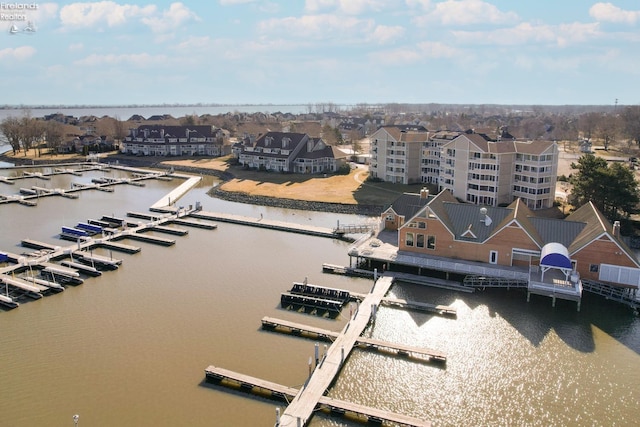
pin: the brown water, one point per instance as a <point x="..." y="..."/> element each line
<point x="130" y="348"/>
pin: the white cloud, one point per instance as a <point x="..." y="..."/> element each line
<point x="423" y="4"/>
<point x="74" y="47"/>
<point x="17" y="54"/>
<point x="232" y="2"/>
<point x="139" y="60"/>
<point x="317" y="26"/>
<point x="384" y="34"/>
<point x="438" y="50"/>
<point x="85" y="15"/>
<point x="348" y="7"/>
<point x="527" y="33"/>
<point x="422" y="51"/>
<point x="172" y="18"/>
<point x="607" y="12"/>
<point x="466" y="12"/>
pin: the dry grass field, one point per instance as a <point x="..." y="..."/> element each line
<point x="347" y="189"/>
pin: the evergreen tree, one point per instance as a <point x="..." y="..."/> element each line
<point x="613" y="190"/>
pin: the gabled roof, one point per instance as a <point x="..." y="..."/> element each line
<point x="277" y="140"/>
<point x="408" y="204"/>
<point x="466" y="222"/>
<point x="407" y="133"/>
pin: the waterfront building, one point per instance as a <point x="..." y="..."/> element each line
<point x="190" y="140"/>
<point x="396" y="153"/>
<point x="586" y="244"/>
<point x="485" y="171"/>
<point x="289" y="152"/>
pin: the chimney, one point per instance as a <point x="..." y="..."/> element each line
<point x="616" y="228"/>
<point x="424" y="193"/>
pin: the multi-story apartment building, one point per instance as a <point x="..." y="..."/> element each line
<point x="396" y="153"/>
<point x="479" y="170"/>
<point x="430" y="160"/>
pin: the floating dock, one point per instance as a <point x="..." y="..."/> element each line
<point x="118" y="246"/>
<point x="312" y="397"/>
<point x="82" y="268"/>
<point x="145" y="238"/>
<point x="286" y="394"/>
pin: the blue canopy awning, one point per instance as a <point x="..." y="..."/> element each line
<point x="555" y="255"/>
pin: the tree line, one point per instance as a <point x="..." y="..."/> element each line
<point x="25" y="132"/>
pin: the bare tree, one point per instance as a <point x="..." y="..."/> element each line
<point x="588" y="124"/>
<point x="32" y="133"/>
<point x="120" y="130"/>
<point x="53" y="132"/>
<point x="606" y="129"/>
<point x="12" y="131"/>
<point x="631" y="122"/>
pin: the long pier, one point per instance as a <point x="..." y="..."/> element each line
<point x="261" y="222"/>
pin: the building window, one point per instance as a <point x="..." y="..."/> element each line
<point x="422" y="224"/>
<point x="420" y="240"/>
<point x="409" y="239"/>
<point x="493" y="257"/>
<point x="431" y="242"/>
<point x="593" y="268"/>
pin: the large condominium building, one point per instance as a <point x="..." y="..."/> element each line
<point x="396" y="153"/>
<point x="431" y="152"/>
<point x="479" y="170"/>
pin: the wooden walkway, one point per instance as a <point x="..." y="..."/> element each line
<point x="286" y="394"/>
<point x="443" y="310"/>
<point x="310" y="230"/>
<point x="301" y="408"/>
<point x="298" y="329"/>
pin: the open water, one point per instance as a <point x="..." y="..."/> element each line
<point x="130" y="348"/>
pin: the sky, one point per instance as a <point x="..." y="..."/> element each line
<point x="525" y="52"/>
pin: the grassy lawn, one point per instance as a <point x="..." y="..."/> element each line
<point x="348" y="189"/>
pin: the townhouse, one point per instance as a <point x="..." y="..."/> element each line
<point x="289" y="152"/>
<point x="160" y="140"/>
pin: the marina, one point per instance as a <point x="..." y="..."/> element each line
<point x="487" y="323"/>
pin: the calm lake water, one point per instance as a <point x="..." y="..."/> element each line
<point x="129" y="348"/>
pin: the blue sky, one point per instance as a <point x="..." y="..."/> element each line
<point x="341" y="51"/>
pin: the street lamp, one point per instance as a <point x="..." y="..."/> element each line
<point x="75" y="420"/>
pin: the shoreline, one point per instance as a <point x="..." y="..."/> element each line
<point x="231" y="196"/>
